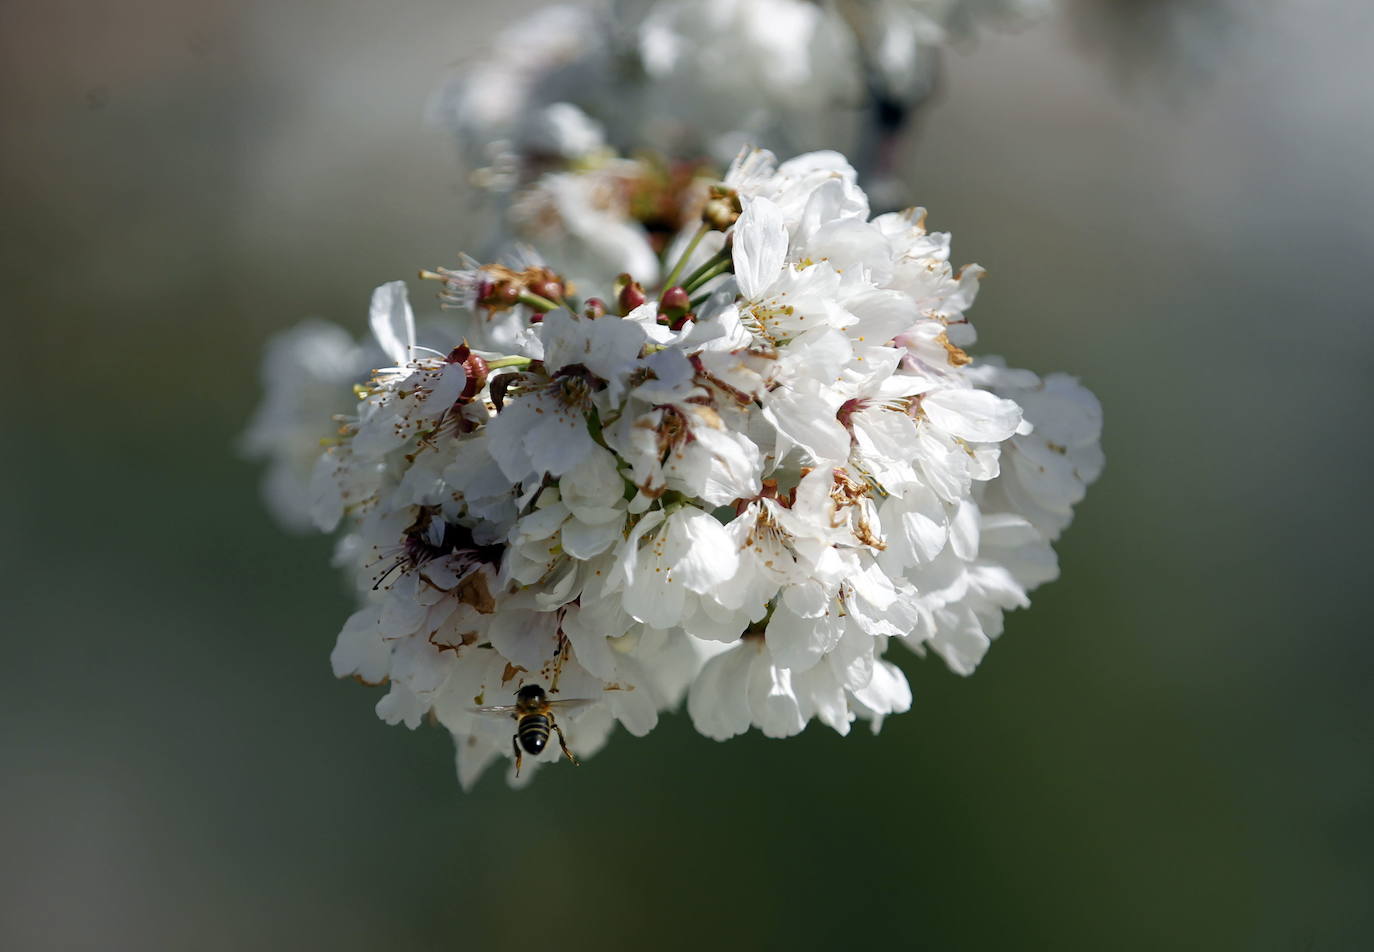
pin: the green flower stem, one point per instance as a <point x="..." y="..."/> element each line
<point x="725" y="254"/>
<point x="707" y="273"/>
<point x="682" y="260"/>
<point x="508" y="362"/>
<point x="536" y="301"/>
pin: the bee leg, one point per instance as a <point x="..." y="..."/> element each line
<point x="515" y="746"/>
<point x="564" y="744"/>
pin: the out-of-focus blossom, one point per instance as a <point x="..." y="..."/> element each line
<point x="306" y="373"/>
<point x="697" y="80"/>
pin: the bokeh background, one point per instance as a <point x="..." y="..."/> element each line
<point x="1171" y="750"/>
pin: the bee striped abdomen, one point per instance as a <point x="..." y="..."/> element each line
<point x="533" y="731"/>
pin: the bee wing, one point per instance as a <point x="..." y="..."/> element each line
<point x="496" y="709"/>
<point x="571" y="704"/>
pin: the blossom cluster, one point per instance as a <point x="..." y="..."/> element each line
<point x="738" y="484"/>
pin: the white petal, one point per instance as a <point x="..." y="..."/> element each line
<point x="400" y="704"/>
<point x="326" y="501"/>
<point x="808" y="419"/>
<point x="559" y="442"/>
<point x="589" y="642"/>
<point x="360" y="649"/>
<point x="922" y="526"/>
<point x="760" y="247"/>
<point x="505" y="437"/>
<point x="711" y="622"/>
<point x="887" y="693"/>
<point x="593" y="487"/>
<point x="708" y="553"/>
<point x="525" y="638"/>
<point x="393" y="323"/>
<point x="963" y="531"/>
<point x="961" y="641"/>
<point x="808" y="598"/>
<point x="822" y="695"/>
<point x="772" y="701"/>
<point x="626" y="565"/>
<point x="402" y="613"/>
<point x="649" y="597"/>
<point x="798" y="643"/>
<point x="852" y="659"/>
<point x="718" y="702"/>
<point x="737" y="466"/>
<point x="974" y="415"/>
<point x="448" y="388"/>
<point x="885" y="435"/>
<point x="540" y="524"/>
<point x="584" y="541"/>
<point x="634" y="709"/>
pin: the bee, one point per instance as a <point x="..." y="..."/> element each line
<point x="533" y="714"/>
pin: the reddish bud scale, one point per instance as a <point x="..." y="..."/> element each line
<point x="476" y="369"/>
<point x="473" y="366"/>
<point x="631" y="296"/>
<point x="550" y="288"/>
<point x="498" y="295"/>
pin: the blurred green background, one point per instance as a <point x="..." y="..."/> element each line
<point x="1171" y="750"/>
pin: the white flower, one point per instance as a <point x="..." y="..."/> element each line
<point x="676" y="436"/>
<point x="543" y="429"/>
<point x="665" y="563"/>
